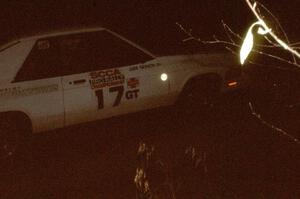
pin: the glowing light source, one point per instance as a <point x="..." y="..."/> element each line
<point x="248" y="43"/>
<point x="262" y="30"/>
<point x="246" y="47"/>
<point x="232" y="84"/>
<point x="164" y="77"/>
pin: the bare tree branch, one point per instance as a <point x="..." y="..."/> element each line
<point x="274" y="42"/>
<point x="275" y="128"/>
<point x="232" y="43"/>
<point x="253" y="8"/>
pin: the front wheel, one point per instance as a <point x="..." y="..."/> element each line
<point x="199" y="94"/>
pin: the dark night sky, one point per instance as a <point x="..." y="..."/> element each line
<point x="149" y="23"/>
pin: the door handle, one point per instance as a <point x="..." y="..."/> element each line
<point x="79" y="81"/>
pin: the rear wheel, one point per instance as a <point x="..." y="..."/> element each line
<point x="10" y="139"/>
<point x="14" y="145"/>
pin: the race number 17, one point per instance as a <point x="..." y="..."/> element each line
<point x="118" y="89"/>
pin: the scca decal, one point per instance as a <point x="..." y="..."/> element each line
<point x="100" y="79"/>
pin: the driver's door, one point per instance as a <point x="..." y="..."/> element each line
<point x="97" y="74"/>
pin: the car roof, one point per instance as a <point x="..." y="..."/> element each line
<point x="61" y="32"/>
<point x="41" y="35"/>
<point x="68" y="32"/>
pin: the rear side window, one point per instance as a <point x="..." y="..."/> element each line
<point x="78" y="53"/>
<point x="42" y="62"/>
<point x="108" y="50"/>
<point x="97" y="51"/>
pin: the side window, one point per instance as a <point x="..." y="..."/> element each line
<point x="78" y="53"/>
<point x="96" y="51"/>
<point x="42" y="62"/>
<point x="75" y="53"/>
<point x="109" y="51"/>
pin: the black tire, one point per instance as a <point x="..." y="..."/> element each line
<point x="9" y="139"/>
<point x="14" y="142"/>
<point x="200" y="93"/>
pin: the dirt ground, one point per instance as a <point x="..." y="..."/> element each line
<point x="244" y="159"/>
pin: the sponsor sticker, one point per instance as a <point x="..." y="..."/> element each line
<point x="133" y="82"/>
<point x="43" y="45"/>
<point x="105" y="78"/>
<point x="17" y="91"/>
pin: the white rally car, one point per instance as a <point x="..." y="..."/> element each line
<point x="69" y="77"/>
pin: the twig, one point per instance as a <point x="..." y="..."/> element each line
<point x="268" y="124"/>
<point x="280" y="26"/>
<point x="253" y="8"/>
<point x="274" y="41"/>
<point x="234" y="44"/>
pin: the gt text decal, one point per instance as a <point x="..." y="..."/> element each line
<point x="132" y="94"/>
<point x="132" y="84"/>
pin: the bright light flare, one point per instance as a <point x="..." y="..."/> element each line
<point x="263" y="30"/>
<point x="232" y="84"/>
<point x="164" y="77"/>
<point x="248" y="43"/>
<point x="246" y="47"/>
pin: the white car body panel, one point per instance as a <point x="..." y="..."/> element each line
<point x="12" y="59"/>
<point x="40" y="100"/>
<point x="56" y="102"/>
